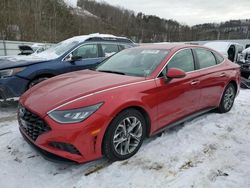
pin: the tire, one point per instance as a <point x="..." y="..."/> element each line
<point x="121" y="144"/>
<point x="227" y="99"/>
<point x="37" y="81"/>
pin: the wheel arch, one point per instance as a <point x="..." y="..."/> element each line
<point x="144" y="113"/>
<point x="40" y="75"/>
<point x="141" y="110"/>
<point x="235" y="86"/>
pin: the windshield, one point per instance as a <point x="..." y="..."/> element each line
<point x="58" y="49"/>
<point x="134" y="62"/>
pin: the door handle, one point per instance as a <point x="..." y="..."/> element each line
<point x="195" y="82"/>
<point x="223" y="74"/>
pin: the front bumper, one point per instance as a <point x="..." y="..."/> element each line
<point x="44" y="153"/>
<point x="86" y="137"/>
<point x="13" y="86"/>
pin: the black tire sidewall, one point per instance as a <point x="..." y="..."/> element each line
<point x="37" y="81"/>
<point x="222" y="107"/>
<point x="108" y="146"/>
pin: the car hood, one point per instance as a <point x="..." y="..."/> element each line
<point x="7" y="62"/>
<point x="64" y="88"/>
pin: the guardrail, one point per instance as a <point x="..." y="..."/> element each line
<point x="11" y="47"/>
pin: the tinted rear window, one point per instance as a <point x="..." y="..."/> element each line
<point x="205" y="58"/>
<point x="218" y="57"/>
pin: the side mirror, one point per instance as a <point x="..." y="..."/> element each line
<point x="175" y="73"/>
<point x="72" y="58"/>
<point x="75" y="58"/>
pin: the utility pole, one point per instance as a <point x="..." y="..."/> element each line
<point x="228" y="35"/>
<point x="218" y="34"/>
<point x="247" y="32"/>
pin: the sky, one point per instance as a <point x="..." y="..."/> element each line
<point x="190" y="12"/>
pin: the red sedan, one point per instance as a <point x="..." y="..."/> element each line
<point x="136" y="93"/>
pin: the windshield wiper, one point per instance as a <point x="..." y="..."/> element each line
<point x="115" y="72"/>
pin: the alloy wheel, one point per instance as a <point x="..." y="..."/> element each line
<point x="229" y="98"/>
<point x="127" y="135"/>
<point x="37" y="81"/>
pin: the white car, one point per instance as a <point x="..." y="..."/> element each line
<point x="230" y="50"/>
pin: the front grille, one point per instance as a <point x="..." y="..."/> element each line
<point x="65" y="147"/>
<point x="31" y="124"/>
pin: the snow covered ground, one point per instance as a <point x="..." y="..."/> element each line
<point x="212" y="150"/>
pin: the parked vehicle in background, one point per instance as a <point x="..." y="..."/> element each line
<point x="25" y="50"/>
<point x="19" y="73"/>
<point x="229" y="50"/>
<point x="247" y="46"/>
<point x="136" y="93"/>
<point x="244" y="62"/>
<point x="35" y="48"/>
<point x="38" y="48"/>
<point x="245" y="56"/>
<point x="234" y="52"/>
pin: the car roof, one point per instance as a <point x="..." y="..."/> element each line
<point x="98" y="36"/>
<point x="167" y="46"/>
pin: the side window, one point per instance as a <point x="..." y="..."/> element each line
<point x="121" y="47"/>
<point x="86" y="51"/>
<point x="182" y="60"/>
<point x="219" y="58"/>
<point x="124" y="46"/>
<point x="205" y="58"/>
<point x="109" y="49"/>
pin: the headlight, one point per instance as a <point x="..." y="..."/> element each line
<point x="10" y="72"/>
<point x="74" y="116"/>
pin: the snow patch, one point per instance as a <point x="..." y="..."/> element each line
<point x="210" y="151"/>
<point x="82" y="12"/>
<point x="71" y="3"/>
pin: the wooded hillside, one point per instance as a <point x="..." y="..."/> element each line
<point x="53" y="21"/>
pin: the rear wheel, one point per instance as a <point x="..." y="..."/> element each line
<point x="227" y="99"/>
<point x="124" y="136"/>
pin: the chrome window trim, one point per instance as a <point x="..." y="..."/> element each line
<point x="193" y="70"/>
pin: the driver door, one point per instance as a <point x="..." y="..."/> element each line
<point x="178" y="97"/>
<point x="86" y="57"/>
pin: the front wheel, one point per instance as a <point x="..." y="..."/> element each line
<point x="124" y="136"/>
<point x="227" y="99"/>
<point x="37" y="81"/>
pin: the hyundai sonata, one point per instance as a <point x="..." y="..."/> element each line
<point x="139" y="92"/>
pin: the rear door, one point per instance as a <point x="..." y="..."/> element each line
<point x="212" y="77"/>
<point x="109" y="49"/>
<point x="178" y="98"/>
